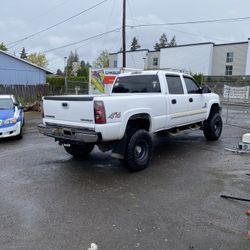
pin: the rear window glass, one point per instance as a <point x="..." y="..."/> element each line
<point x="137" y="84"/>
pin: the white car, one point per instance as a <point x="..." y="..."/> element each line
<point x="11" y="117"/>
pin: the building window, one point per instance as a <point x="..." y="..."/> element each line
<point x="229" y="70"/>
<point x="230" y="57"/>
<point x="115" y="63"/>
<point x="155" y="61"/>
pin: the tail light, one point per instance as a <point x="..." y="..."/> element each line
<point x="100" y="114"/>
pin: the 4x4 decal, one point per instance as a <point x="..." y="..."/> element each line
<point x="115" y="115"/>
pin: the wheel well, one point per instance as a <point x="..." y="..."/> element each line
<point x="140" y="121"/>
<point x="215" y="109"/>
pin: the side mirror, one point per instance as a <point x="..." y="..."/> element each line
<point x="204" y="90"/>
<point x="19" y="105"/>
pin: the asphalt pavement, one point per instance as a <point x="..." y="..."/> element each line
<point x="49" y="200"/>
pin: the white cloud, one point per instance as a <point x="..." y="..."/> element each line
<point x="19" y="19"/>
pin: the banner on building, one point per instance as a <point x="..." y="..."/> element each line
<point x="236" y="92"/>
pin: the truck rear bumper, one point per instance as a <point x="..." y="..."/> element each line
<point x="68" y="134"/>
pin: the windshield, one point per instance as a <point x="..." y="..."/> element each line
<point x="137" y="84"/>
<point x="6" y="103"/>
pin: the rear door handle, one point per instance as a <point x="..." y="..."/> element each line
<point x="174" y="101"/>
<point x="191" y="100"/>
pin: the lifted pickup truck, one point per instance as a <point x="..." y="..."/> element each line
<point x="140" y="103"/>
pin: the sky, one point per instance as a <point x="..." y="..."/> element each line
<point x="19" y="19"/>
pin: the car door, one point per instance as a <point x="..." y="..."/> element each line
<point x="197" y="106"/>
<point x="176" y="101"/>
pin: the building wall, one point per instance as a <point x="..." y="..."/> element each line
<point x="195" y="58"/>
<point x="16" y="72"/>
<point x="150" y="62"/>
<point x="135" y="59"/>
<point x="113" y="60"/>
<point x="248" y="59"/>
<point x="239" y="59"/>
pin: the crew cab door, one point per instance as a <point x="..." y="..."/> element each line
<point x="197" y="106"/>
<point x="176" y="100"/>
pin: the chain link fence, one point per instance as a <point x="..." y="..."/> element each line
<point x="235" y="98"/>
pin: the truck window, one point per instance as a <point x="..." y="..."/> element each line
<point x="174" y="85"/>
<point x="137" y="84"/>
<point x="192" y="86"/>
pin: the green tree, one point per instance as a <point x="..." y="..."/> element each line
<point x="38" y="59"/>
<point x="102" y="61"/>
<point x="73" y="57"/>
<point x="59" y="72"/>
<point x="23" y="54"/>
<point x="83" y="70"/>
<point x="173" y="42"/>
<point x="3" y="47"/>
<point x="199" y="77"/>
<point x="163" y="42"/>
<point x="134" y="44"/>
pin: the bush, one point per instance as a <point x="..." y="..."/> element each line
<point x="199" y="78"/>
<point x="58" y="81"/>
<point x="55" y="81"/>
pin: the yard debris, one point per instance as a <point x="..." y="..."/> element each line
<point x="35" y="106"/>
<point x="243" y="147"/>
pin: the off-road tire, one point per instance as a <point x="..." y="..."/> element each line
<point x="80" y="151"/>
<point x="139" y="150"/>
<point x="212" y="127"/>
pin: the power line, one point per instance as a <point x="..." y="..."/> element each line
<point x="48" y="11"/>
<point x="191" y="22"/>
<point x="83" y="40"/>
<point x="54" y="25"/>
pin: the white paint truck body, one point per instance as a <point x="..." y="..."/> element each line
<point x="151" y="100"/>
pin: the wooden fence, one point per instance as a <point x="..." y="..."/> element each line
<point x="30" y="93"/>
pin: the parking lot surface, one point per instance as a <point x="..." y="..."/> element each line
<point x="49" y="200"/>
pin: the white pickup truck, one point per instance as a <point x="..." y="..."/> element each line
<point x="140" y="103"/>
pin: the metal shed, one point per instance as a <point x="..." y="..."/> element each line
<point x="16" y="71"/>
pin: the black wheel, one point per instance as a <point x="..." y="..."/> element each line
<point x="212" y="127"/>
<point x="139" y="150"/>
<point x="79" y="151"/>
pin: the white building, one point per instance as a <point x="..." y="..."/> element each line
<point x="207" y="58"/>
<point x="135" y="59"/>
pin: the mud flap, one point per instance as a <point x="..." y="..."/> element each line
<point x="119" y="148"/>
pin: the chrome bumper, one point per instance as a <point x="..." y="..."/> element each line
<point x="67" y="135"/>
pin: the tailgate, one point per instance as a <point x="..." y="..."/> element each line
<point x="69" y="110"/>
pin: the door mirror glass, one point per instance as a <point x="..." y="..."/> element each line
<point x="204" y="90"/>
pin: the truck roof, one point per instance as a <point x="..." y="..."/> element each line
<point x="152" y="72"/>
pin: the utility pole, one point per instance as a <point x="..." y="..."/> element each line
<point x="124" y="35"/>
<point x="65" y="75"/>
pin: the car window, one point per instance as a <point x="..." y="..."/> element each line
<point x="137" y="84"/>
<point x="174" y="85"/>
<point x="6" y="103"/>
<point x="192" y="86"/>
